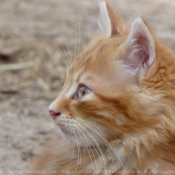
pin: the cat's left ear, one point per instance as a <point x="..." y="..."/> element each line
<point x="109" y="22"/>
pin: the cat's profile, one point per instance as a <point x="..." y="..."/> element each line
<point x="116" y="112"/>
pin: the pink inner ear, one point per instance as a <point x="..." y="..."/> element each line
<point x="140" y="52"/>
<point x="140" y="46"/>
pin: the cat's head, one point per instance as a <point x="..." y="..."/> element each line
<point x="112" y="89"/>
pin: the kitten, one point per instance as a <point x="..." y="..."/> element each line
<point x="116" y="112"/>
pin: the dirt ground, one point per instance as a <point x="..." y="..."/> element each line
<point x="45" y="33"/>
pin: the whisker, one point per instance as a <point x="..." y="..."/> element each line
<point x="79" y="151"/>
<point x="79" y="26"/>
<point x="76" y="31"/>
<point x="57" y="51"/>
<point x="96" y="143"/>
<point x="67" y="55"/>
<point x="136" y="129"/>
<point x="70" y="57"/>
<point x="94" y="129"/>
<point x="84" y="140"/>
<point x="98" y="148"/>
<point x="72" y="131"/>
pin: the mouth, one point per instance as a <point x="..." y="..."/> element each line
<point x="66" y="132"/>
<point x="74" y="135"/>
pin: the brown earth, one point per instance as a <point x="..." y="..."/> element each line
<point x="45" y="33"/>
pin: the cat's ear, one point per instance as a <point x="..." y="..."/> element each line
<point x="109" y="22"/>
<point x="140" y="47"/>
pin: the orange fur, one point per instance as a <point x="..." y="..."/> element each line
<point x="133" y="111"/>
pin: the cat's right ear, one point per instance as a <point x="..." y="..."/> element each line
<point x="140" y="48"/>
<point x="109" y="22"/>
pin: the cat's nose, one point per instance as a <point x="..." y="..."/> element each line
<point x="54" y="114"/>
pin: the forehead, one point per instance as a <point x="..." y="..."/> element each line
<point x="97" y="58"/>
<point x="99" y="67"/>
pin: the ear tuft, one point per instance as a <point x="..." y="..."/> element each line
<point x="140" y="46"/>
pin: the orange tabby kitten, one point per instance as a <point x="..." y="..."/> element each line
<point x="116" y="112"/>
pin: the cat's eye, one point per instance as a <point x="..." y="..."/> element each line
<point x="83" y="91"/>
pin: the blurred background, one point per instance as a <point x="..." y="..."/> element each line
<point x="37" y="38"/>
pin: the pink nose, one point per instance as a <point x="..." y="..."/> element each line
<point x="54" y="114"/>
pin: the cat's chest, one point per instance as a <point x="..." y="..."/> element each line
<point x="90" y="160"/>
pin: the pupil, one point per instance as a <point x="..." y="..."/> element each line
<point x="83" y="91"/>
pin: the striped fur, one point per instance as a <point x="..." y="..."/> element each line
<point x="126" y="124"/>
